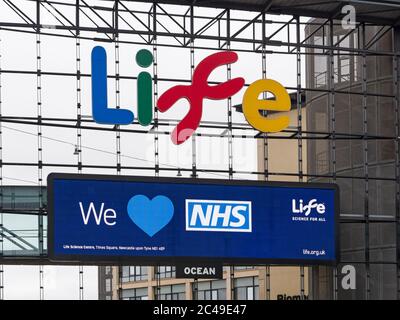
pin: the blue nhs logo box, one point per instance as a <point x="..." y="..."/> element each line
<point x="218" y="215"/>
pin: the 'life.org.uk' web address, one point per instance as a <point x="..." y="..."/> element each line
<point x="317" y="253"/>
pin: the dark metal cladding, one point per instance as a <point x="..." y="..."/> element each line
<point x="373" y="11"/>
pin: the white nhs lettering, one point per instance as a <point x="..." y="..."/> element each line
<point x="215" y="213"/>
<point x="212" y="215"/>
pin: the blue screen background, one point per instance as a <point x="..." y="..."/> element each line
<point x="274" y="235"/>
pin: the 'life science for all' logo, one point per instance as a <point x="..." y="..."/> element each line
<point x="313" y="211"/>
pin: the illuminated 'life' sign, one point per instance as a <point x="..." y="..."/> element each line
<point x="195" y="94"/>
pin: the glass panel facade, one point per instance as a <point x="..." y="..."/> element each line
<point x="173" y="292"/>
<point x="382" y="285"/>
<point x="210" y="290"/>
<point x="134" y="273"/>
<point x="166" y="272"/>
<point x="22" y="198"/>
<point x="19" y="227"/>
<point x="135" y="294"/>
<point x="360" y="157"/>
<point x="246" y="288"/>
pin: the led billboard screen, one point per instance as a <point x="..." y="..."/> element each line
<point x="147" y="220"/>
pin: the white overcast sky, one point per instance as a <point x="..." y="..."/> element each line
<point x="18" y="52"/>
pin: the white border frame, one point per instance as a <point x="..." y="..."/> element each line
<point x="188" y="228"/>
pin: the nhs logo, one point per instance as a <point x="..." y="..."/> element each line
<point x="218" y="215"/>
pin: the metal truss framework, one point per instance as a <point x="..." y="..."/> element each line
<point x="119" y="22"/>
<point x="155" y="33"/>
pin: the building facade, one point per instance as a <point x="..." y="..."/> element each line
<point x="238" y="283"/>
<point x="359" y="153"/>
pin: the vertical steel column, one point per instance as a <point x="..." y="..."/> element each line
<point x="78" y="148"/>
<point x="232" y="279"/>
<point x="196" y="289"/>
<point x="120" y="277"/>
<point x="192" y="63"/>
<point x="155" y="92"/>
<point x="265" y="142"/>
<point x="194" y="156"/>
<point x="79" y="139"/>
<point x="396" y="91"/>
<point x="79" y="135"/>
<point x="230" y="149"/>
<point x="118" y="106"/>
<point x="40" y="148"/>
<point x="332" y="113"/>
<point x="158" y="283"/>
<point x="229" y="100"/>
<point x="156" y="138"/>
<point x="1" y="186"/>
<point x="396" y="94"/>
<point x="78" y="93"/>
<point x="365" y="153"/>
<point x="117" y="87"/>
<point x="299" y="129"/>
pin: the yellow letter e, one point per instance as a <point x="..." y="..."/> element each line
<point x="252" y="105"/>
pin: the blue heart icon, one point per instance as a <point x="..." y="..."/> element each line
<point x="150" y="215"/>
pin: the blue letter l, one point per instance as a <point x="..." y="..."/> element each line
<point x="101" y="113"/>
